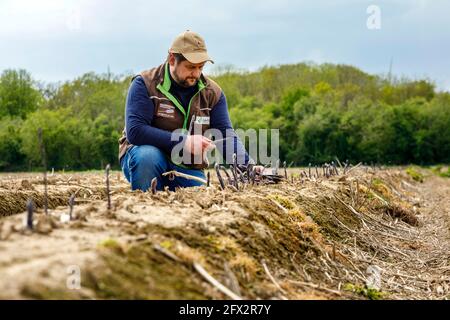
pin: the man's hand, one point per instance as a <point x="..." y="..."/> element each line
<point x="259" y="169"/>
<point x="198" y="144"/>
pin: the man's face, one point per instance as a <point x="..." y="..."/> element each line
<point x="185" y="73"/>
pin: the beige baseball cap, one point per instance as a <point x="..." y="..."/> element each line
<point x="192" y="46"/>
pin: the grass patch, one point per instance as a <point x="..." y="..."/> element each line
<point x="369" y="293"/>
<point x="440" y="171"/>
<point x="414" y="174"/>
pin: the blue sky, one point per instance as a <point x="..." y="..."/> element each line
<point x="58" y="40"/>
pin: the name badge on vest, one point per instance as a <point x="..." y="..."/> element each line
<point x="202" y="120"/>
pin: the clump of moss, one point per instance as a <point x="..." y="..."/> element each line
<point x="245" y="266"/>
<point x="369" y="293"/>
<point x="379" y="186"/>
<point x="167" y="244"/>
<point x="414" y="174"/>
<point x="224" y="244"/>
<point x="311" y="231"/>
<point x="297" y="214"/>
<point x="111" y="244"/>
<point x="445" y="174"/>
<point x="309" y="227"/>
<point x="141" y="273"/>
<point x="285" y="202"/>
<point x="377" y="181"/>
<point x="188" y="255"/>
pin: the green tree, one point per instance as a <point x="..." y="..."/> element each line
<point x="11" y="156"/>
<point x="59" y="137"/>
<point x="18" y="95"/>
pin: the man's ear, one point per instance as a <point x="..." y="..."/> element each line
<point x="171" y="59"/>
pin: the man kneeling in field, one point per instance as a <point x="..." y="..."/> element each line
<point x="173" y="96"/>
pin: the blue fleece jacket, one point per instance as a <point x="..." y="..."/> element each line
<point x="139" y="114"/>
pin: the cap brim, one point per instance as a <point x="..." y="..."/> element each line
<point x="197" y="57"/>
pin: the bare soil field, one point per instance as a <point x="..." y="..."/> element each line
<point x="369" y="234"/>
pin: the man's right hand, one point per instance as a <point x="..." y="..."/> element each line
<point x="198" y="144"/>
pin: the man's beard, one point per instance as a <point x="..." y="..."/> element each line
<point x="184" y="83"/>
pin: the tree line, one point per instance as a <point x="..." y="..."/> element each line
<point x="323" y="111"/>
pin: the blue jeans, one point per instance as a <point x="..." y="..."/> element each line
<point x="142" y="163"/>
